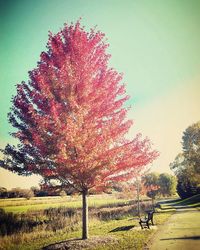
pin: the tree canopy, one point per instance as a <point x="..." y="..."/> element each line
<point x="70" y="117"/>
<point x="187" y="164"/>
<point x="191" y="146"/>
<point x="163" y="184"/>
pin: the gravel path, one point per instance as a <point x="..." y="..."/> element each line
<point x="180" y="232"/>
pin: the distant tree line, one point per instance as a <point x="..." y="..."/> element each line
<point x="151" y="184"/>
<point x="32" y="192"/>
<point x="156" y="184"/>
<point x="186" y="165"/>
<point x="16" y="193"/>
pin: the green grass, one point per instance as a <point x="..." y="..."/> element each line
<point x="167" y="209"/>
<point x="190" y="202"/>
<point x="130" y="239"/>
<point x="22" y="205"/>
<point x="194" y="200"/>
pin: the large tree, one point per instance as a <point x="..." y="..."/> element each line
<point x="191" y="146"/>
<point x="188" y="179"/>
<point x="71" y="120"/>
<point x="163" y="184"/>
<point x="167" y="184"/>
<point x="187" y="164"/>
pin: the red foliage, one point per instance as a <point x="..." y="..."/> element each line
<point x="71" y="118"/>
<point x="145" y="189"/>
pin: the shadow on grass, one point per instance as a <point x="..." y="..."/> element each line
<point x="125" y="228"/>
<point x="184" y="238"/>
<point x="186" y="206"/>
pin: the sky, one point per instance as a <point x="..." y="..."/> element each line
<point x="155" y="43"/>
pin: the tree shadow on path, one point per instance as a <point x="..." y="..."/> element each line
<point x="183" y="238"/>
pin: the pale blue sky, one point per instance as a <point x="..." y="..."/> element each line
<point x="156" y="44"/>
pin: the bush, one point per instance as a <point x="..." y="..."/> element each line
<point x="27" y="193"/>
<point x="186" y="189"/>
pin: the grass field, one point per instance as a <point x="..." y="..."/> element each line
<point x="109" y="218"/>
<point x="22" y="205"/>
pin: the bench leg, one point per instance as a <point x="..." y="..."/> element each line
<point x="141" y="224"/>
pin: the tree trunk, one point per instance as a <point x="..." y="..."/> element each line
<point x="138" y="199"/>
<point x="152" y="203"/>
<point x="84" y="215"/>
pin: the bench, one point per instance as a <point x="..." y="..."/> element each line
<point x="145" y="221"/>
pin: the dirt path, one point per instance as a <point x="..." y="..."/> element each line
<point x="181" y="232"/>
